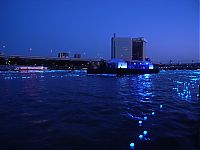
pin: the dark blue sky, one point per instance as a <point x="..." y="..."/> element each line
<point x="170" y="26"/>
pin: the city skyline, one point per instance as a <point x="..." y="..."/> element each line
<point x="44" y="28"/>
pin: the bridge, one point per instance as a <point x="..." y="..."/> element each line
<point x="179" y="66"/>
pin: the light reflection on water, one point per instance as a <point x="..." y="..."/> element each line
<point x="169" y="86"/>
<point x="145" y="88"/>
<point x="139" y="86"/>
<point x="185" y="85"/>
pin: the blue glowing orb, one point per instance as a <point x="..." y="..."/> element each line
<point x="161" y="106"/>
<point x="141" y="137"/>
<point x="153" y="113"/>
<point x="145" y="117"/>
<point x="145" y="132"/>
<point x="132" y="145"/>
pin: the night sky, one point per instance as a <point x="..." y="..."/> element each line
<point x="171" y="27"/>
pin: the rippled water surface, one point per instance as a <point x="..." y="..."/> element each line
<point x="72" y="111"/>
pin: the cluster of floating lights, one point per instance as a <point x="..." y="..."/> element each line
<point x="144" y="135"/>
<point x="184" y="89"/>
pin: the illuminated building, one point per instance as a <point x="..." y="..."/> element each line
<point x="127" y="48"/>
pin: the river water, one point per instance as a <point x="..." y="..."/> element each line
<point x="73" y="111"/>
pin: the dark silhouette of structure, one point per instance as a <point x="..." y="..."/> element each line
<point x="138" y="48"/>
<point x="63" y="55"/>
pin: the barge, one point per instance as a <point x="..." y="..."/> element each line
<point x="120" y="67"/>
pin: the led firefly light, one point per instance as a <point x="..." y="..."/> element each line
<point x="145" y="133"/>
<point x="140" y="122"/>
<point x="145" y="117"/>
<point x="141" y="137"/>
<point x="132" y="145"/>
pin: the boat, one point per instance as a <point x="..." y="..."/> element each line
<point x="38" y="68"/>
<point x="120" y="68"/>
<point x="30" y="69"/>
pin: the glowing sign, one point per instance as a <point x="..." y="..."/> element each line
<point x="122" y="65"/>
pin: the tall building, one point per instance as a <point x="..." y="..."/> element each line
<point x="63" y="55"/>
<point x="121" y="48"/>
<point x="138" y="48"/>
<point x="127" y="48"/>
